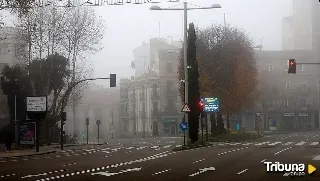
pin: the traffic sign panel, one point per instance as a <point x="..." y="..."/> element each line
<point x="185" y="108"/>
<point x="183" y="126"/>
<point x="37" y="104"/>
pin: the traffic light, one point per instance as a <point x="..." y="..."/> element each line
<point x="113" y="80"/>
<point x="292" y="66"/>
<point x="63" y="117"/>
<point x="201" y="106"/>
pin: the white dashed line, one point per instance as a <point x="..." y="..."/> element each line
<point x="242" y="171"/>
<point x="198" y="161"/>
<point x="282" y="150"/>
<point x="157" y="173"/>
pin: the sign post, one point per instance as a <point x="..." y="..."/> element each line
<point x="184" y="126"/>
<point x="98" y="122"/>
<point x="37" y="110"/>
<point x="258" y="120"/>
<point x="87" y="124"/>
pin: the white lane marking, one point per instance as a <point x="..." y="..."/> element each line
<point x="122" y="171"/>
<point x="282" y="150"/>
<point x="275" y="143"/>
<point x="232" y="151"/>
<point x="316" y="157"/>
<point x="314" y="143"/>
<point x="262" y="143"/>
<point x="242" y="171"/>
<point x="288" y="143"/>
<point x="154" y="147"/>
<point x="178" y="146"/>
<point x="167" y="146"/>
<point x="130" y="148"/>
<point x="140" y="148"/>
<point x="263" y="160"/>
<point x="300" y="143"/>
<point x="157" y="173"/>
<point x="202" y="170"/>
<point x="197" y="161"/>
<point x="69" y="164"/>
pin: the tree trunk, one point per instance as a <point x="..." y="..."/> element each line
<point x="220" y="124"/>
<point x="213" y="124"/>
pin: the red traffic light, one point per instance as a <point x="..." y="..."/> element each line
<point x="200" y="103"/>
<point x="292" y="66"/>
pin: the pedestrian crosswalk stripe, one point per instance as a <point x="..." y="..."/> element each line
<point x="301" y="143"/>
<point x="314" y="143"/>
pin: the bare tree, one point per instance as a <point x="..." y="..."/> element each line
<point x="69" y="32"/>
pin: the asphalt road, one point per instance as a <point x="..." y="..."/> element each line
<point x="153" y="159"/>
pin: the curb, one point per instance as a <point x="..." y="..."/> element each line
<point x="33" y="154"/>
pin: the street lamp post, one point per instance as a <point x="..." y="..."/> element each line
<point x="185" y="42"/>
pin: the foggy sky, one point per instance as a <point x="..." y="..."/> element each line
<point x="128" y="25"/>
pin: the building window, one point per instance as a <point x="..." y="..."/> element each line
<point x="304" y="102"/>
<point x="169" y="68"/>
<point x="286" y="102"/>
<point x="272" y="103"/>
<point x="4" y="50"/>
<point x="169" y="86"/>
<point x="287" y="85"/>
<point x="302" y="67"/>
<point x="270" y="67"/>
<point x="303" y="86"/>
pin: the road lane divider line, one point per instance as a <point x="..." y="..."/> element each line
<point x="232" y="151"/>
<point x="8" y="175"/>
<point x="242" y="171"/>
<point x="282" y="150"/>
<point x="262" y="161"/>
<point x="69" y="164"/>
<point x="157" y="173"/>
<point x="197" y="161"/>
<point x="43" y="174"/>
<point x="156" y="156"/>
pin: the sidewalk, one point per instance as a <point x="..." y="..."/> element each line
<point x="28" y="152"/>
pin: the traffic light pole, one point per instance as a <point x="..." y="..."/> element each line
<point x="201" y="122"/>
<point x="67" y="93"/>
<point x="87" y="134"/>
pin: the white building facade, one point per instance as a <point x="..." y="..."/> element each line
<point x="149" y="101"/>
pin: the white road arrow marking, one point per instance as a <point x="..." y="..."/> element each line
<point x="203" y="170"/>
<point x="108" y="174"/>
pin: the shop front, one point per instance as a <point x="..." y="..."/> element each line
<point x="287" y="122"/>
<point x="170" y="126"/>
<point x="304" y="121"/>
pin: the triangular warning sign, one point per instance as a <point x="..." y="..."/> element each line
<point x="185" y="108"/>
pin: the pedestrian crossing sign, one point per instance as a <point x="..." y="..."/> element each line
<point x="185" y="108"/>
